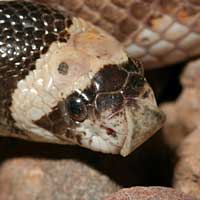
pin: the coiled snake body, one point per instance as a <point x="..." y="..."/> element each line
<point x="159" y="32"/>
<point x="64" y="80"/>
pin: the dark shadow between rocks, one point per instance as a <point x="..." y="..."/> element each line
<point x="151" y="164"/>
<point x="165" y="82"/>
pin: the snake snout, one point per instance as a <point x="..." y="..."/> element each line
<point x="143" y="120"/>
<point x="114" y="84"/>
<point x="126" y="106"/>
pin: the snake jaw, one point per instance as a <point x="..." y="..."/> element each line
<point x="123" y="120"/>
<point x="144" y="118"/>
<point x="142" y="123"/>
<point x="104" y="136"/>
<point x="123" y="131"/>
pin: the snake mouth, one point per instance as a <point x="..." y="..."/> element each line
<point x="126" y="117"/>
<point x="130" y="122"/>
<point x="123" y="131"/>
<point x="142" y="122"/>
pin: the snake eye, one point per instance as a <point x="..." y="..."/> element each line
<point x="76" y="108"/>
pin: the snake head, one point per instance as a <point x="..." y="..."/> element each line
<point x="117" y="112"/>
<point x="86" y="91"/>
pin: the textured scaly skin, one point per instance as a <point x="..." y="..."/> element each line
<point x="64" y="80"/>
<point x="160" y="32"/>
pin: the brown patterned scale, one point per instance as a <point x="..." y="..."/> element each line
<point x="64" y="80"/>
<point x="159" y="32"/>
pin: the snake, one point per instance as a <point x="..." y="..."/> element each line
<point x="158" y="32"/>
<point x="65" y="80"/>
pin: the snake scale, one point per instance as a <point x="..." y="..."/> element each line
<point x="64" y="80"/>
<point x="149" y="29"/>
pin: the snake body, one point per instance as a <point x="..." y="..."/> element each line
<point x="64" y="80"/>
<point x="159" y="32"/>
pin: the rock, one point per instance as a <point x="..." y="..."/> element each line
<point x="182" y="130"/>
<point x="149" y="193"/>
<point x="174" y="129"/>
<point x="49" y="171"/>
<point x="26" y="178"/>
<point x="187" y="171"/>
<point x="183" y="115"/>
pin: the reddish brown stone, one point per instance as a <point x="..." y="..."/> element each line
<point x="31" y="179"/>
<point x="65" y="172"/>
<point x="149" y="193"/>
